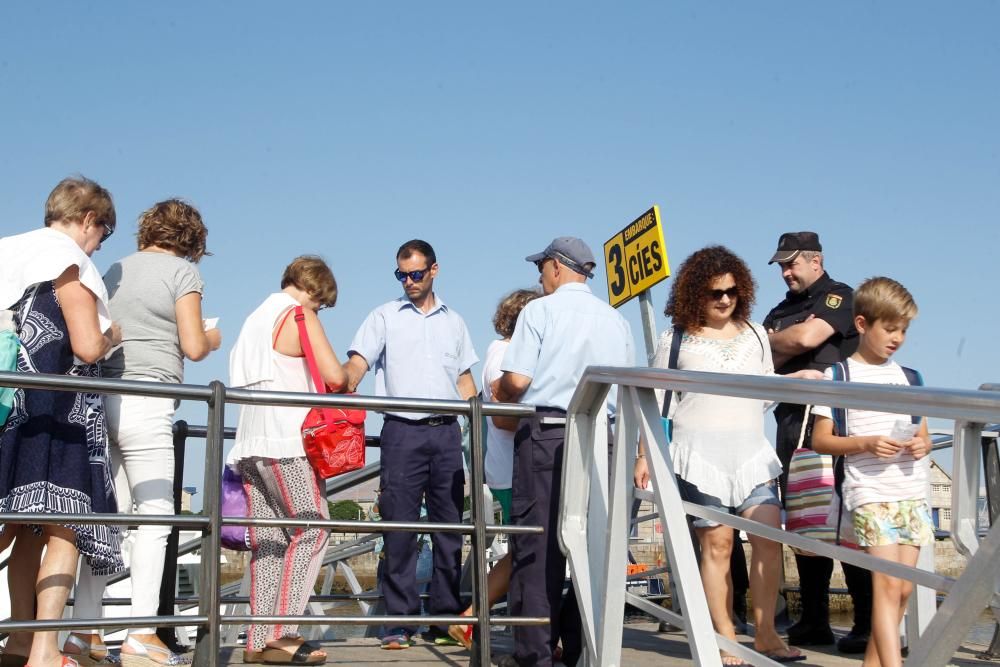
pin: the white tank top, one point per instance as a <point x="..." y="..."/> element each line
<point x="262" y="430"/>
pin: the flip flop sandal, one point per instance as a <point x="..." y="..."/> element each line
<point x="787" y="655"/>
<point x="462" y="634"/>
<point x="276" y="656"/>
<point x="65" y="662"/>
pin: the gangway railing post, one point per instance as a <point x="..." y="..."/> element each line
<point x="208" y="643"/>
<point x="576" y="511"/>
<point x="481" y="635"/>
<point x="168" y="583"/>
<point x="676" y="535"/>
<point x="617" y="519"/>
<point x="965" y="487"/>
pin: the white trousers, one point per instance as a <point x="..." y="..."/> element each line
<point x="142" y="457"/>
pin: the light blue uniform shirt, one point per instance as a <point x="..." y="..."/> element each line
<point x="558" y="336"/>
<point x="415" y="354"/>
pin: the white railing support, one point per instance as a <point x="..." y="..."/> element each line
<point x="966" y="455"/>
<point x="574" y="520"/>
<point x="595" y="511"/>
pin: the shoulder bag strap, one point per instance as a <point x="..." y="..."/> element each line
<point x="300" y="320"/>
<point x="762" y="353"/>
<point x="840" y="374"/>
<point x="805" y="427"/>
<point x="675" y="353"/>
<point x="916" y="380"/>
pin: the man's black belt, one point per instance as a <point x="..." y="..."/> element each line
<point x="438" y="420"/>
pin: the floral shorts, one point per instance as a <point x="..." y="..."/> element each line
<point x="905" y="522"/>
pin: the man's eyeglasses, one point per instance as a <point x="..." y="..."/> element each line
<point x="717" y="294"/>
<point x="415" y="276"/>
<point x="540" y="264"/>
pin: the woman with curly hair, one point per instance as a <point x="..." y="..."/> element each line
<point x="719" y="452"/>
<point x="155" y="293"/>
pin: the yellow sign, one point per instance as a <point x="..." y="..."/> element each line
<point x="635" y="258"/>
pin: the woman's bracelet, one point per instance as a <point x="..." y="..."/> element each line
<point x="640" y="456"/>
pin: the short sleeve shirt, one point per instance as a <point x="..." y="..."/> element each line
<point x="415" y="354"/>
<point x="869" y="478"/>
<point x="144" y="288"/>
<point x="558" y="336"/>
<point x="828" y="300"/>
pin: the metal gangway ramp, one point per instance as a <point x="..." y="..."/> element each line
<point x="595" y="514"/>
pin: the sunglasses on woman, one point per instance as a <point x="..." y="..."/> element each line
<point x="717" y="294"/>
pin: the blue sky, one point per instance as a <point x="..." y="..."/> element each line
<point x="346" y="129"/>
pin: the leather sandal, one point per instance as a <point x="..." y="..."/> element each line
<point x="90" y="655"/>
<point x="143" y="655"/>
<point x="13" y="660"/>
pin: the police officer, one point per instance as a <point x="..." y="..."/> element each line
<point x="419" y="348"/>
<point x="555" y="339"/>
<point x="813" y="328"/>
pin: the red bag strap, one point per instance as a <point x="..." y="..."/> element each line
<point x="300" y="320"/>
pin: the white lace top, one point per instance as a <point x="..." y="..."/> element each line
<point x="718" y="441"/>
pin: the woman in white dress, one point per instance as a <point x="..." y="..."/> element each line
<point x="719" y="452"/>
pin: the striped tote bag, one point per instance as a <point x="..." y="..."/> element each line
<point x="809" y="492"/>
<point x="808" y="496"/>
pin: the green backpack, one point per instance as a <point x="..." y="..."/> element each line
<point x="9" y="345"/>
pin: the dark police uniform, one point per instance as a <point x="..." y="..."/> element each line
<point x="832" y="302"/>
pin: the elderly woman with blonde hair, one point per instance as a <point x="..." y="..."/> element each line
<point x="53" y="448"/>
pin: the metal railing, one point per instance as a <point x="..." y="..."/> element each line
<point x="594" y="517"/>
<point x="210" y="618"/>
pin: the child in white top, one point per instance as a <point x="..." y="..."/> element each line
<point x="885" y="484"/>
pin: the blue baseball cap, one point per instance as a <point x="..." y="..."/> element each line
<point x="569" y="251"/>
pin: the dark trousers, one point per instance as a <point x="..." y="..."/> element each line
<point x="539" y="566"/>
<point x="421" y="462"/>
<point x="814" y="576"/>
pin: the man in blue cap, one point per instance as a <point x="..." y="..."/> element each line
<point x="556" y="338"/>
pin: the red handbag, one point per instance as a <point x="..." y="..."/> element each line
<point x="333" y="438"/>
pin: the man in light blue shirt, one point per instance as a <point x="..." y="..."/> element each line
<point x="420" y="348"/>
<point x="556" y="338"/>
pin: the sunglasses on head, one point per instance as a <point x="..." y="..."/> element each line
<point x="415" y="276"/>
<point x="717" y="294"/>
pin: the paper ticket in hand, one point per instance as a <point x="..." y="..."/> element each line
<point x="211" y="323"/>
<point x="903" y="431"/>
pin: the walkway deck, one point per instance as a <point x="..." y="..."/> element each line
<point x="643" y="645"/>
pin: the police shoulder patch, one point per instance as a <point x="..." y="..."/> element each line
<point x="833" y="301"/>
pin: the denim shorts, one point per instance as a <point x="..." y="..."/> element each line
<point x="905" y="522"/>
<point x="762" y="494"/>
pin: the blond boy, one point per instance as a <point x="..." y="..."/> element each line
<point x="885" y="483"/>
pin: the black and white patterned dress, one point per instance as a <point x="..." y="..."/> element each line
<point x="54" y="446"/>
